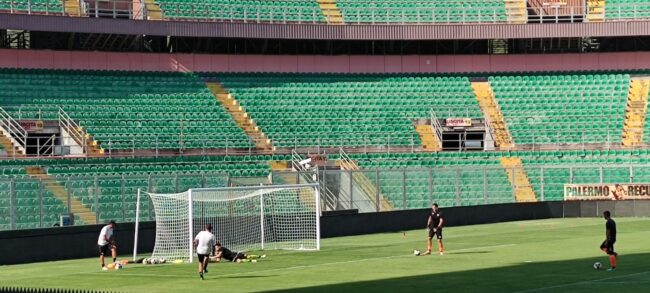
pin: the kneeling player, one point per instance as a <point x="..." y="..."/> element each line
<point x="223" y="252"/>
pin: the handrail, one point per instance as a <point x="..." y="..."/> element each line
<point x="361" y="179"/>
<point x="326" y="194"/>
<point x="47" y="147"/>
<point x="435" y="124"/>
<point x="13" y="129"/>
<point x="76" y="132"/>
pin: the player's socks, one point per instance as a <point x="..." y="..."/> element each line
<point x="441" y="248"/>
<point x="114" y="260"/>
<point x="201" y="275"/>
<point x="612" y="261"/>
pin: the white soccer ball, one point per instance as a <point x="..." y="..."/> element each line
<point x="118" y="266"/>
<point x="154" y="261"/>
<point x="598" y="266"/>
<point x="416" y="252"/>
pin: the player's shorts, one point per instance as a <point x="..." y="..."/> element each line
<point x="608" y="246"/>
<point x="437" y="233"/>
<point x="239" y="255"/>
<point x="104" y="249"/>
<point x="202" y="257"/>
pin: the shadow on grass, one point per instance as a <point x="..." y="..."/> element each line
<point x="575" y="275"/>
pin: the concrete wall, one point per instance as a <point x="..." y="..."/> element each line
<point x="12" y="58"/>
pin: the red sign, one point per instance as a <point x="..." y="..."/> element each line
<point x="31" y="124"/>
<point x="453" y="122"/>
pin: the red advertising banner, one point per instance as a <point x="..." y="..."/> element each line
<point x="606" y="191"/>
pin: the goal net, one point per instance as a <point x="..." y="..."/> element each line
<point x="243" y="218"/>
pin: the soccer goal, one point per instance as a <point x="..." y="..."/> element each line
<point x="243" y="218"/>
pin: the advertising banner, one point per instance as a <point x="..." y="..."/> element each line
<point x="606" y="191"/>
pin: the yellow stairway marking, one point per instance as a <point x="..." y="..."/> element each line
<point x="595" y="10"/>
<point x="516" y="11"/>
<point x="492" y="112"/>
<point x="519" y="178"/>
<point x="331" y="11"/>
<point x="240" y="116"/>
<point x="153" y="10"/>
<point x="429" y="140"/>
<point x="368" y="187"/>
<point x="9" y="147"/>
<point x="72" y="8"/>
<point x="635" y="113"/>
<point x="59" y="191"/>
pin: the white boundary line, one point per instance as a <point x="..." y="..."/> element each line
<point x="314" y="265"/>
<point x="582" y="282"/>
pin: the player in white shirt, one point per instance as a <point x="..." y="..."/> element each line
<point x="106" y="243"/>
<point x="204" y="243"/>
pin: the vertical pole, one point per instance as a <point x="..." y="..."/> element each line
<point x="317" y="195"/>
<point x="377" y="195"/>
<point x="541" y="172"/>
<point x="262" y="221"/>
<point x="190" y="222"/>
<point x="137" y="225"/>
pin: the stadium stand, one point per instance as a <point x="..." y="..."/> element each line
<point x="626" y="9"/>
<point x="405" y="178"/>
<point x="125" y="110"/>
<point x="347" y="110"/>
<point x="576" y="108"/>
<point x="107" y="187"/>
<point x="241" y="10"/>
<point x="399" y="11"/>
<point x="32" y="6"/>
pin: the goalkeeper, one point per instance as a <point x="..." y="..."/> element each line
<point x="223" y="252"/>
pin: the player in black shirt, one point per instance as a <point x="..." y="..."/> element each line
<point x="608" y="244"/>
<point x="434" y="227"/>
<point x="224" y="253"/>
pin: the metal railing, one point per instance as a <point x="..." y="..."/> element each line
<point x="73" y="130"/>
<point x="13" y="130"/>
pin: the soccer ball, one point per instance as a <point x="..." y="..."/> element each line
<point x="598" y="266"/>
<point x="416" y="252"/>
<point x="118" y="266"/>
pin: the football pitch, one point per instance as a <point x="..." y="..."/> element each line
<point x="530" y="256"/>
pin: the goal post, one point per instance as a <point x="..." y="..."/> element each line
<point x="243" y="218"/>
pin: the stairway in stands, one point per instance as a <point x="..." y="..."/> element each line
<point x="516" y="11"/>
<point x="493" y="114"/>
<point x="429" y="139"/>
<point x="153" y="10"/>
<point x="9" y="147"/>
<point x="361" y="180"/>
<point x="595" y="10"/>
<point x="331" y="11"/>
<point x="59" y="191"/>
<point x="240" y="116"/>
<point x="72" y="8"/>
<point x="519" y="178"/>
<point x="635" y="112"/>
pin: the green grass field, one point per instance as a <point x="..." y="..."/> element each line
<point x="531" y="256"/>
